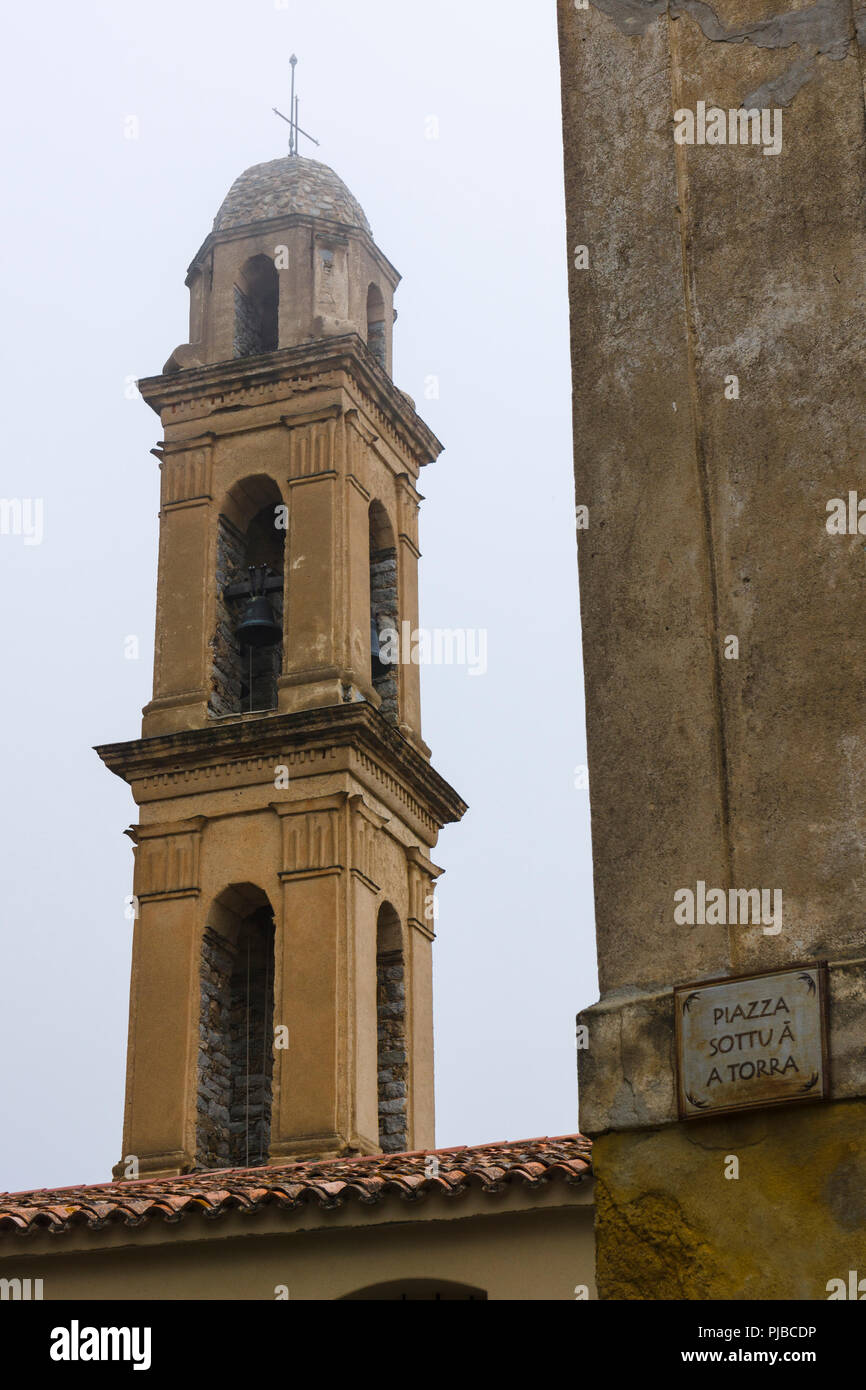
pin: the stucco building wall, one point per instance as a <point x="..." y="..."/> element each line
<point x="510" y="1246"/>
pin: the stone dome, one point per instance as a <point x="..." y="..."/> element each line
<point x="289" y="185"/>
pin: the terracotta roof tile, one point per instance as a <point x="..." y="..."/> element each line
<point x="329" y="1184"/>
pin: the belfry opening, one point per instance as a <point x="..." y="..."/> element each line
<point x="392" y="1056"/>
<point x="256" y="308"/>
<point x="376" y="339"/>
<point x="248" y="644"/>
<point x="384" y="617"/>
<point x="236" y="1031"/>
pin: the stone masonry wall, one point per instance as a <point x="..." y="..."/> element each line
<point x="392" y="1057"/>
<point x="251" y="1046"/>
<point x="235" y="1064"/>
<point x="383" y="602"/>
<point x="214" y="1066"/>
<point x="248" y="326"/>
<point x="226" y="670"/>
<point x="376" y="342"/>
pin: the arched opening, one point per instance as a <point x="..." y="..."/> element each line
<point x="420" y="1290"/>
<point x="376" y="325"/>
<point x="392" y="1054"/>
<point x="384" y="617"/>
<point x="257" y="297"/>
<point x="236" y="1031"/>
<point x="248" y="642"/>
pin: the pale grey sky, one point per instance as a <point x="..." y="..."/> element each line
<point x="99" y="230"/>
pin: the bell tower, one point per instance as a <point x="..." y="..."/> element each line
<point x="281" y="991"/>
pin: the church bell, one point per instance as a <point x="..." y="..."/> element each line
<point x="259" y="627"/>
<point x="379" y="667"/>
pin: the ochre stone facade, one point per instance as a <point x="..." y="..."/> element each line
<point x="288" y="784"/>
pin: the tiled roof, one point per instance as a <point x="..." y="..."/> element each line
<point x="285" y="186"/>
<point x="328" y="1184"/>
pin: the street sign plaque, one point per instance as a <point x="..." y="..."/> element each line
<point x="750" y="1041"/>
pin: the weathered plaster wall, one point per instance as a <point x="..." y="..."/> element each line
<point x="707" y="515"/>
<point x="707" y="521"/>
<point x="672" y="1226"/>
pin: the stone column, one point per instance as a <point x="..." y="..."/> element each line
<point x="184" y="604"/>
<point x="313" y="627"/>
<point x="159" y="1121"/>
<point x="311" y="1081"/>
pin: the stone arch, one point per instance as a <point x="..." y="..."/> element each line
<point x="391" y="1035"/>
<point x="384" y="612"/>
<point x="236" y="1031"/>
<point x="256" y="308"/>
<point x="376" y="340"/>
<point x="251" y="533"/>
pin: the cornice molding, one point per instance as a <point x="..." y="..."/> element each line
<point x="357" y="726"/>
<point x="347" y="354"/>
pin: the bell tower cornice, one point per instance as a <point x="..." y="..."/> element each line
<point x="216" y="393"/>
<point x="191" y="760"/>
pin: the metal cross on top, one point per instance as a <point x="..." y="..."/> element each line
<point x="292" y="120"/>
